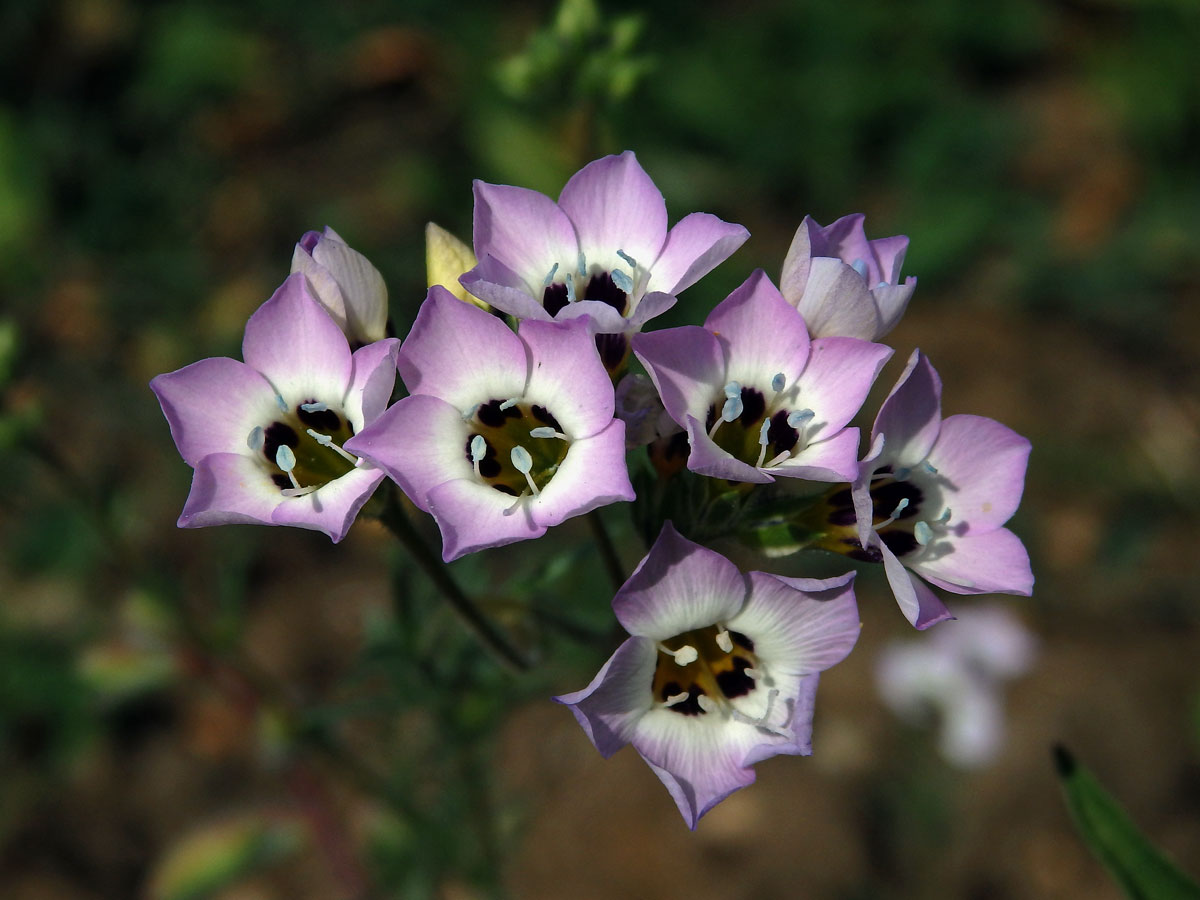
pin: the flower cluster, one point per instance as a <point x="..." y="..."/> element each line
<point x="520" y="411"/>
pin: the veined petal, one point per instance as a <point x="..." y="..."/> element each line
<point x="229" y="489"/>
<point x="697" y="244"/>
<point x="653" y="304"/>
<point x="567" y="377"/>
<point x="887" y="256"/>
<point x="373" y="375"/>
<point x="981" y="467"/>
<point x="333" y="507"/>
<point x="604" y="319"/>
<point x="892" y="300"/>
<point x="833" y="459"/>
<point x="911" y="416"/>
<point x="420" y="441"/>
<point x="687" y="366"/>
<point x="837" y="379"/>
<point x="497" y="285"/>
<point x="361" y="285"/>
<point x="473" y="516"/>
<point x="593" y="474"/>
<point x="323" y="285"/>
<point x="297" y="346"/>
<point x="844" y="239"/>
<point x="524" y="230"/>
<point x="803" y="701"/>
<point x="461" y="354"/>
<point x="793" y="278"/>
<point x="212" y="405"/>
<point x="991" y="562"/>
<point x="836" y="301"/>
<point x="760" y="333"/>
<point x="919" y="604"/>
<point x="614" y="205"/>
<point x="608" y="709"/>
<point x="677" y="587"/>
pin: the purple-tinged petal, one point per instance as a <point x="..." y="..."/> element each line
<point x="911" y="416"/>
<point x="860" y="491"/>
<point x="887" y="255"/>
<point x="321" y="282"/>
<point x="229" y="489"/>
<point x="836" y="302"/>
<point x="474" y="516"/>
<point x="615" y="206"/>
<point x="981" y="467"/>
<point x="461" y="354"/>
<point x="837" y="379"/>
<point x="793" y="278"/>
<point x="361" y="286"/>
<point x="212" y="406"/>
<point x="695" y="246"/>
<point x="372" y="378"/>
<point x="801" y="626"/>
<point x="845" y="239"/>
<point x="297" y="346"/>
<point x="992" y="562"/>
<point x="420" y="441"/>
<point x="833" y="459"/>
<point x="333" y="507"/>
<point x="687" y="366"/>
<point x="761" y="334"/>
<point x="800" y="743"/>
<point x="677" y="587"/>
<point x="567" y="376"/>
<point x="497" y="285"/>
<point x="653" y="304"/>
<point x="919" y="604"/>
<point x="891" y="301"/>
<point x="524" y="230"/>
<point x="604" y="319"/>
<point x="593" y="474"/>
<point x="707" y="458"/>
<point x="608" y="709"/>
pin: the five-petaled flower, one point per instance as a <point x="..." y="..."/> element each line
<point x="843" y="284"/>
<point x="602" y="251"/>
<point x="932" y="495"/>
<point x="265" y="436"/>
<point x="720" y="671"/>
<point x="504" y="434"/>
<point x="758" y="398"/>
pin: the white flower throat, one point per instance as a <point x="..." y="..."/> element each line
<point x="302" y="449"/>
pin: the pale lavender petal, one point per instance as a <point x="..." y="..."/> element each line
<point x="604" y="319"/>
<point x="707" y="458"/>
<point x="593" y="474"/>
<point x="322" y="284"/>
<point x="919" y="604"/>
<point x="524" y="230"/>
<point x="474" y="516"/>
<point x="833" y="459"/>
<point x="793" y="278"/>
<point x="373" y="376"/>
<point x="864" y="506"/>
<point x="615" y="206"/>
<point x="420" y="441"/>
<point x="212" y="406"/>
<point x="695" y="246"/>
<point x="677" y="587"/>
<point x="497" y="285"/>
<point x="297" y="346"/>
<point x="567" y="376"/>
<point x="911" y="416"/>
<point x="229" y="489"/>
<point x="799" y="626"/>
<point x="981" y="467"/>
<point x="845" y="239"/>
<point x="460" y="353"/>
<point x="761" y="334"/>
<point x="800" y="743"/>
<point x="361" y="285"/>
<point x="687" y="366"/>
<point x="653" y="304"/>
<point x="891" y="301"/>
<point x="887" y="257"/>
<point x="608" y="709"/>
<point x="333" y="507"/>
<point x="992" y="562"/>
<point x="836" y="302"/>
<point x="837" y="379"/>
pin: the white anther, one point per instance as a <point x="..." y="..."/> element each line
<point x="929" y="467"/>
<point x="732" y="409"/>
<point x="732" y="390"/>
<point x="326" y="441"/>
<point x="549" y="280"/>
<point x="706" y="703"/>
<point x="523" y="463"/>
<point x="256" y="438"/>
<point x="675" y="699"/>
<point x="724" y="641"/>
<point x="314" y="406"/>
<point x="798" y="417"/>
<point x="860" y="267"/>
<point x="469" y="414"/>
<point x="900" y="507"/>
<point x="762" y="442"/>
<point x="786" y="454"/>
<point x="478" y="448"/>
<point x="923" y="533"/>
<point x="752" y="673"/>
<point x="621" y="280"/>
<point x="778" y="382"/>
<point x="545" y="431"/>
<point x="684" y="656"/>
<point x="628" y="259"/>
<point x="285" y="458"/>
<point x="509" y="403"/>
<point x="571" y="290"/>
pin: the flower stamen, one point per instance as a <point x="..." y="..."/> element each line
<point x="523" y="463"/>
<point x="478" y="452"/>
<point x="326" y="441"/>
<point x="545" y="431"/>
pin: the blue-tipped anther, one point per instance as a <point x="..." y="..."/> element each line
<point x="923" y="533"/>
<point x="733" y="389"/>
<point x="762" y="431"/>
<point x="543" y="431"/>
<point x="778" y="382"/>
<point x="900" y="507"/>
<point x="944" y="517"/>
<point x="621" y="280"/>
<point x="582" y="264"/>
<point x="256" y="438"/>
<point x="315" y="406"/>
<point x="478" y="448"/>
<point x="798" y="417"/>
<point x="860" y="267"/>
<point x="521" y="459"/>
<point x="902" y="473"/>
<point x="928" y="467"/>
<point x="628" y="259"/>
<point x="732" y="409"/>
<point x="549" y="280"/>
<point x="283" y="407"/>
<point x="285" y="458"/>
<point x="509" y="403"/>
<point x="570" y="290"/>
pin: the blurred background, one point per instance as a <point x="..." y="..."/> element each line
<point x="250" y="713"/>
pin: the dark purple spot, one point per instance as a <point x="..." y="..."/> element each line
<point x="554" y="298"/>
<point x="281" y="481"/>
<point x="753" y="407"/>
<point x="735" y="682"/>
<point x="603" y="288"/>
<point x="742" y="641"/>
<point x="543" y="415"/>
<point x="711" y="419"/>
<point x="690" y="706"/>
<point x="325" y="420"/>
<point x="612" y="348"/>
<point x="842" y="498"/>
<point x="677" y="445"/>
<point x="505" y="489"/>
<point x="857" y="551"/>
<point x="899" y="542"/>
<point x="309" y="241"/>
<point x="670" y="689"/>
<point x="842" y="516"/>
<point x="887" y="497"/>
<point x="276" y="435"/>
<point x="489" y="467"/>
<point x="782" y="436"/>
<point x="493" y="416"/>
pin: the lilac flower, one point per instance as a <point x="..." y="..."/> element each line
<point x="505" y="434"/>
<point x="721" y="670"/>
<point x="932" y="495"/>
<point x="757" y="397"/>
<point x="642" y="411"/>
<point x="603" y="250"/>
<point x="346" y="284"/>
<point x="958" y="672"/>
<point x="265" y="436"/>
<point x="843" y="284"/>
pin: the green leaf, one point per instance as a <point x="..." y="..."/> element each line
<point x="1140" y="868"/>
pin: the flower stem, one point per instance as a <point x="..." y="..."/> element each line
<point x="485" y="631"/>
<point x="608" y="552"/>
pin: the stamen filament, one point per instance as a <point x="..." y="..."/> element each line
<point x="478" y="452"/>
<point x="762" y="448"/>
<point x="900" y="507"/>
<point x="509" y="403"/>
<point x="786" y="454"/>
<point x="571" y="298"/>
<point x="545" y="431"/>
<point x="523" y="463"/>
<point x="326" y="441"/>
<point x="684" y="656"/>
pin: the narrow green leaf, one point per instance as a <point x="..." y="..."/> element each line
<point x="1140" y="868"/>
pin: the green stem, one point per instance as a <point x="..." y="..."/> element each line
<point x="396" y="520"/>
<point x="608" y="552"/>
